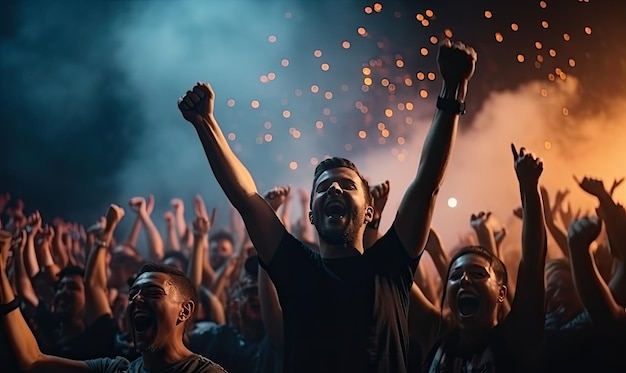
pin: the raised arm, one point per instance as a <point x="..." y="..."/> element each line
<point x="380" y="195"/>
<point x="264" y="227"/>
<point x="524" y="324"/>
<point x="21" y="338"/>
<point x="133" y="235"/>
<point x="96" y="298"/>
<point x="593" y="291"/>
<point x="412" y="223"/>
<point x="156" y="250"/>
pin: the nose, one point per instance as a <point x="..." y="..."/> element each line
<point x="137" y="297"/>
<point x="465" y="278"/>
<point x="334" y="188"/>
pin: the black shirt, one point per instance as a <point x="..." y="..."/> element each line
<point x="346" y="314"/>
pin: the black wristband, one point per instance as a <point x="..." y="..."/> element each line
<point x="450" y="106"/>
<point x="6" y="308"/>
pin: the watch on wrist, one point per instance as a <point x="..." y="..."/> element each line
<point x="450" y="105"/>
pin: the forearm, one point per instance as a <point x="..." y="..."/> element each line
<point x="46" y="262"/>
<point x="181" y="224"/>
<point x="59" y="251"/>
<point x="231" y="174"/>
<point x="23" y="284"/>
<point x="133" y="236"/>
<point x="195" y="266"/>
<point x="440" y="140"/>
<point x="271" y="311"/>
<point x="441" y="260"/>
<point x="486" y="239"/>
<point x="618" y="284"/>
<point x="21" y="337"/>
<point x="155" y="242"/>
<point x="534" y="248"/>
<point x="30" y="258"/>
<point x="173" y="242"/>
<point x="559" y="237"/>
<point x="285" y="214"/>
<point x="593" y="291"/>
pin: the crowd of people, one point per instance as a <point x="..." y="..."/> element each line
<point x="324" y="292"/>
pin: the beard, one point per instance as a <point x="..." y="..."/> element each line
<point x="338" y="236"/>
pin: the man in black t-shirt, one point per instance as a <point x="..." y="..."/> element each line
<point x="345" y="308"/>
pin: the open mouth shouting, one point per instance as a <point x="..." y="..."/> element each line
<point x="335" y="209"/>
<point x="142" y="321"/>
<point x="468" y="304"/>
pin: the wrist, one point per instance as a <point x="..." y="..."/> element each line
<point x="454" y="90"/>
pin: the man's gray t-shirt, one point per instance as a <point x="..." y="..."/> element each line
<point x="193" y="363"/>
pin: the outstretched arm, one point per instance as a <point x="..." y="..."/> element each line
<point x="264" y="227"/>
<point x="594" y="292"/>
<point x="23" y="342"/>
<point x="412" y="222"/>
<point x="524" y="324"/>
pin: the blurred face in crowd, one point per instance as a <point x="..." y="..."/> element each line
<point x="69" y="299"/>
<point x="221" y="249"/>
<point x="338" y="205"/>
<point x="154" y="311"/>
<point x="561" y="298"/>
<point x="473" y="292"/>
<point x="248" y="302"/>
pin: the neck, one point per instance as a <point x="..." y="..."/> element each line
<point x="470" y="339"/>
<point x="160" y="359"/>
<point x="342" y="250"/>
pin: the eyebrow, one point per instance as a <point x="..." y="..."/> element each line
<point x="471" y="265"/>
<point x="147" y="286"/>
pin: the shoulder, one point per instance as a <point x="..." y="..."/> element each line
<point x="108" y="365"/>
<point x="201" y="364"/>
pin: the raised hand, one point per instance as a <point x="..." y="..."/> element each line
<point x="456" y="62"/>
<point x="169" y="218"/>
<point x="380" y="194"/>
<point x="201" y="226"/>
<point x="595" y="187"/>
<point x="483" y="220"/>
<point x="527" y="168"/>
<point x="197" y="104"/>
<point x="35" y="223"/>
<point x="616" y="183"/>
<point x="277" y="196"/>
<point x="113" y="217"/>
<point x="140" y="206"/>
<point x="199" y="207"/>
<point x="583" y="232"/>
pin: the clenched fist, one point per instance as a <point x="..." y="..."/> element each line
<point x="197" y="104"/>
<point x="457" y="62"/>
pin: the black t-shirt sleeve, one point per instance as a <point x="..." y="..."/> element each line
<point x="391" y="257"/>
<point x="292" y="261"/>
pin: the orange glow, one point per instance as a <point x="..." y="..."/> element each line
<point x="588" y="30"/>
<point x="409" y="106"/>
<point x="271" y="76"/>
<point x="315" y="88"/>
<point x="424" y="51"/>
<point x="362" y="134"/>
<point x="367" y="81"/>
<point x="378" y="7"/>
<point x="429" y="13"/>
<point x="423" y="93"/>
<point x="499" y="37"/>
<point x="408" y="82"/>
<point x="361" y="31"/>
<point x="232" y="136"/>
<point x="543" y="4"/>
<point x="448" y="33"/>
<point x="230" y="103"/>
<point x="399" y="63"/>
<point x="328" y="95"/>
<point x="267" y="137"/>
<point x="520" y="58"/>
<point x="544" y="24"/>
<point x="420" y="76"/>
<point x="388" y="113"/>
<point x="255" y="104"/>
<point x="419" y="17"/>
<point x="284" y="62"/>
<point x="319" y="124"/>
<point x="488" y="14"/>
<point x="552" y="53"/>
<point x="345" y="44"/>
<point x="572" y="62"/>
<point x="425" y="22"/>
<point x="514" y="26"/>
<point x="431" y="76"/>
<point x="434" y="40"/>
<point x="271" y="39"/>
<point x="368" y="10"/>
<point x="286" y="114"/>
<point x="293" y="165"/>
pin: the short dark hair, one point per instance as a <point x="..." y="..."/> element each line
<point x="71" y="270"/>
<point x="222" y="235"/>
<point x="180" y="280"/>
<point x="177" y="255"/>
<point x="336" y="162"/>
